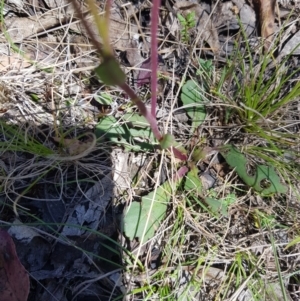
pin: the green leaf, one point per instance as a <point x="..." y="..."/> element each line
<point x="104" y="99"/>
<point x="191" y="19"/>
<point x="47" y="70"/>
<point x="198" y="154"/>
<point x="181" y="19"/>
<point x="34" y="97"/>
<point x="109" y="126"/>
<point x="153" y="208"/>
<point x="110" y="72"/>
<point x="193" y="182"/>
<point x="136" y="119"/>
<point x="293" y="242"/>
<point x="167" y="141"/>
<point x="206" y="67"/>
<point x="205" y="73"/>
<point x="265" y="180"/>
<point x="193" y="185"/>
<point x="191" y="98"/>
<point x="130" y="132"/>
<point x="217" y="206"/>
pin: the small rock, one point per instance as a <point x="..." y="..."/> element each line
<point x="207" y="180"/>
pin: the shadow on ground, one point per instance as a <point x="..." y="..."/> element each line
<point x="66" y="231"/>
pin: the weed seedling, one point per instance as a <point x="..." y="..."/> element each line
<point x="187" y="24"/>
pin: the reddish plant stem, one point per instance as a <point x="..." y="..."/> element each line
<point x="143" y="110"/>
<point x="154" y="54"/>
<point x="180" y="173"/>
<point x="178" y="154"/>
<point x="149" y="115"/>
